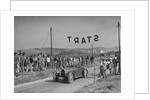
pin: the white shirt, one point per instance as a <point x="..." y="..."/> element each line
<point x="48" y="59"/>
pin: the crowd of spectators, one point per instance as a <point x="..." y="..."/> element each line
<point x="109" y="65"/>
<point x="40" y="62"/>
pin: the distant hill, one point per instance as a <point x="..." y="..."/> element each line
<point x="76" y="51"/>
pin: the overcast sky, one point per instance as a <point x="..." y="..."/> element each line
<point x="32" y="31"/>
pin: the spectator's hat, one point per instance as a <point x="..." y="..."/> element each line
<point x="15" y="53"/>
<point x="20" y="52"/>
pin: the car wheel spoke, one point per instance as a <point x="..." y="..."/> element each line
<point x="85" y="73"/>
<point x="70" y="78"/>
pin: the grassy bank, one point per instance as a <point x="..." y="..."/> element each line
<point x="112" y="84"/>
<point x="32" y="76"/>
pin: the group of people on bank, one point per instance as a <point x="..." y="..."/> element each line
<point x="40" y="62"/>
<point x="109" y="66"/>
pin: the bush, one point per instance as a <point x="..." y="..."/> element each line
<point x="40" y="75"/>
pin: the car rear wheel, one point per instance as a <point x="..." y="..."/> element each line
<point x="70" y="78"/>
<point x="85" y="73"/>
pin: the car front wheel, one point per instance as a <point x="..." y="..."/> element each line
<point x="70" y="78"/>
<point x="55" y="77"/>
<point x="85" y="73"/>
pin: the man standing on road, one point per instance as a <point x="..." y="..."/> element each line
<point x="92" y="59"/>
<point x="102" y="69"/>
<point x="48" y="61"/>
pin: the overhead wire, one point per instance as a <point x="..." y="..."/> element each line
<point x="40" y="40"/>
<point x="83" y="31"/>
<point x="45" y="40"/>
<point x="54" y="41"/>
<point x="115" y="31"/>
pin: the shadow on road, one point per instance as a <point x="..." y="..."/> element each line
<point x="64" y="81"/>
<point x="60" y="81"/>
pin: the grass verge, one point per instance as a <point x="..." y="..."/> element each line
<point x="112" y="84"/>
<point x="32" y="76"/>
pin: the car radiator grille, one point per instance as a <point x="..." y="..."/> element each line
<point x="62" y="73"/>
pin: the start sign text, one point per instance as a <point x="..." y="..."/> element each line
<point x="82" y="40"/>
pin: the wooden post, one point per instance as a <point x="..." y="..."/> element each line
<point x="92" y="54"/>
<point x="119" y="47"/>
<point x="119" y="37"/>
<point x="51" y="39"/>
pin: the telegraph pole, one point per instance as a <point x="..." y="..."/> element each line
<point x="119" y="47"/>
<point x="51" y="39"/>
<point x="94" y="67"/>
<point x="119" y="37"/>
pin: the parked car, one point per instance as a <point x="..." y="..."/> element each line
<point x="70" y="73"/>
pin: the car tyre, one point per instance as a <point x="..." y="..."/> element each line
<point x="55" y="77"/>
<point x="85" y="73"/>
<point x="70" y="78"/>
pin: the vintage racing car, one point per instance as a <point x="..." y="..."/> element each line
<point x="70" y="73"/>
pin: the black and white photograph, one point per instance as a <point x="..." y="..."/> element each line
<point x="74" y="49"/>
<point x="67" y="54"/>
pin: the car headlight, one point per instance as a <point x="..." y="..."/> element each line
<point x="65" y="71"/>
<point x="57" y="72"/>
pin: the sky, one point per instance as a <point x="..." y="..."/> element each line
<point x="34" y="31"/>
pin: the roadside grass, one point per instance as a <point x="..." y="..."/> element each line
<point x="112" y="84"/>
<point x="32" y="76"/>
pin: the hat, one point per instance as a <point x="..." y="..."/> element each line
<point x="20" y="52"/>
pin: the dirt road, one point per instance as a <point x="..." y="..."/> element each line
<point x="49" y="86"/>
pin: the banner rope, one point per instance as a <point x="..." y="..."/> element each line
<point x="83" y="31"/>
<point x="45" y="40"/>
